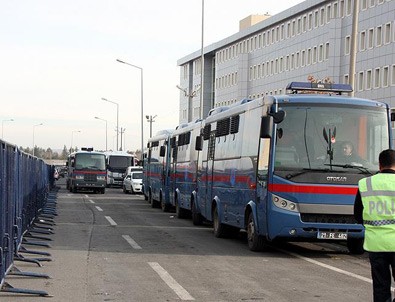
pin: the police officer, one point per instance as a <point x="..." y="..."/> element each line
<point x="375" y="208"/>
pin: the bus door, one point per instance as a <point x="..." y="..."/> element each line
<point x="173" y="171"/>
<point x="209" y="169"/>
<point x="262" y="185"/>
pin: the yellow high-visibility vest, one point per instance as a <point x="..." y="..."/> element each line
<point x="378" y="199"/>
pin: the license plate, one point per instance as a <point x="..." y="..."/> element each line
<point x="332" y="235"/>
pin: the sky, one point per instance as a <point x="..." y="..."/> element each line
<point x="58" y="60"/>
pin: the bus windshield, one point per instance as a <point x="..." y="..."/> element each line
<point x="120" y="161"/>
<point x="90" y="161"/>
<point x="331" y="139"/>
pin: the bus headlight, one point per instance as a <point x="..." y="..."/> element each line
<point x="79" y="177"/>
<point x="284" y="204"/>
<point x="101" y="177"/>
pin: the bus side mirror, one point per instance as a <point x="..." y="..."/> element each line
<point x="278" y="116"/>
<point x="392" y="116"/>
<point x="199" y="143"/>
<point x="162" y="151"/>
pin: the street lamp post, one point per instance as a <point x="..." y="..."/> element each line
<point x="34" y="128"/>
<point x="2" y="126"/>
<point x="142" y="104"/>
<point x="150" y="120"/>
<point x="104" y="99"/>
<point x="72" y="135"/>
<point x="202" y="66"/>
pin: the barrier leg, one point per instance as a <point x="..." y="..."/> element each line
<point x="17" y="272"/>
<point x="10" y="289"/>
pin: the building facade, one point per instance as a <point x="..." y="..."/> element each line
<point x="310" y="40"/>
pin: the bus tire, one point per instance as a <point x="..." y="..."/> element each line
<point x="197" y="218"/>
<point x="256" y="243"/>
<point x="355" y="246"/>
<point x="220" y="230"/>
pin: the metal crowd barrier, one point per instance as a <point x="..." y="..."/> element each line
<point x="25" y="200"/>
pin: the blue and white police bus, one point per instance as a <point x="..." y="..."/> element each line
<point x="156" y="170"/>
<point x="274" y="165"/>
<point x="183" y="167"/>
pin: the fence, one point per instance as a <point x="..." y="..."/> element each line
<point x="25" y="183"/>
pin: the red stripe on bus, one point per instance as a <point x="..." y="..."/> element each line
<point x="313" y="189"/>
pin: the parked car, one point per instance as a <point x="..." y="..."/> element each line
<point x="133" y="182"/>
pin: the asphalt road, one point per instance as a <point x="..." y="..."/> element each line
<point x="115" y="247"/>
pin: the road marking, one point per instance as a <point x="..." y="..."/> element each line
<point x="87" y="196"/>
<point x="91" y="201"/>
<point x="338" y="270"/>
<point x="132" y="242"/>
<point x="110" y="220"/>
<point x="99" y="209"/>
<point x="169" y="280"/>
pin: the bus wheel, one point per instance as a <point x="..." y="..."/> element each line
<point x="355" y="246"/>
<point x="219" y="228"/>
<point x="255" y="242"/>
<point x="103" y="191"/>
<point x="74" y="189"/>
<point x="197" y="218"/>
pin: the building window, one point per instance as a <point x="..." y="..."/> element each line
<point x="320" y="53"/>
<point x="322" y="16"/>
<point x="304" y="23"/>
<point x="335" y="10"/>
<point x="310" y="21"/>
<point x="360" y="81"/>
<point x="371" y="3"/>
<point x="281" y="65"/>
<point x="347" y="45"/>
<point x="303" y="58"/>
<point x="377" y="78"/>
<point x="341" y="8"/>
<point x="369" y="79"/>
<point x="385" y="76"/>
<point x="379" y="36"/>
<point x="293" y="28"/>
<point x="362" y="40"/>
<point x="370" y="38"/>
<point x="328" y="13"/>
<point x="345" y="79"/>
<point x="349" y="7"/>
<point x="327" y="51"/>
<point x="364" y="4"/>
<point x="316" y="21"/>
<point x="387" y="33"/>
<point x="287" y="63"/>
<point x="314" y="54"/>
<point x="297" y="60"/>
<point x="393" y="75"/>
<point x="309" y="56"/>
<point x="292" y="61"/>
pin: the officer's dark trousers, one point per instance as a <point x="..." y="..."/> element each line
<point x="381" y="264"/>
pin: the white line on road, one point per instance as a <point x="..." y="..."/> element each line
<point x="169" y="280"/>
<point x="110" y="220"/>
<point x="131" y="242"/>
<point x="86" y="196"/>
<point x="99" y="209"/>
<point x="91" y="201"/>
<point x="338" y="270"/>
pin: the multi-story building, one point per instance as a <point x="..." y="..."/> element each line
<point x="311" y="39"/>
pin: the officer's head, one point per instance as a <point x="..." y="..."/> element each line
<point x="387" y="159"/>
